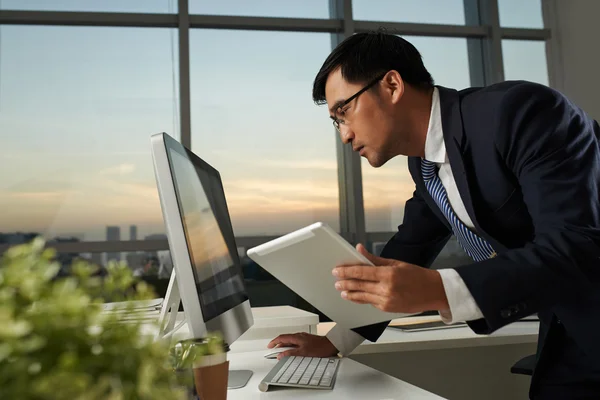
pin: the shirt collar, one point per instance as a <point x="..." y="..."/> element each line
<point x="435" y="149"/>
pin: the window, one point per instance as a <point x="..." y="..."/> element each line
<point x="386" y="189"/>
<point x="253" y="119"/>
<point x="520" y="14"/>
<point x="152" y="266"/>
<point x="262" y="8"/>
<point x="78" y="108"/>
<point x="525" y="59"/>
<point x="451" y="12"/>
<point x="129" y="6"/>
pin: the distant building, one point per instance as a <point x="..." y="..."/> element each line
<point x="17" y="237"/>
<point x="156" y="236"/>
<point x="113" y="233"/>
<point x="133" y="232"/>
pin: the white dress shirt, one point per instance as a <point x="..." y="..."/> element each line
<point x="462" y="304"/>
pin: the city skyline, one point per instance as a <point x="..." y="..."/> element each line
<point x="80" y="104"/>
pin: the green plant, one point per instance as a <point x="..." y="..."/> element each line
<point x="56" y="343"/>
<point x="187" y="353"/>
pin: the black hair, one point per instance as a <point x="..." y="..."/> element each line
<point x="363" y="56"/>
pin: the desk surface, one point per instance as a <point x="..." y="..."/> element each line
<point x="394" y="339"/>
<point x="354" y="381"/>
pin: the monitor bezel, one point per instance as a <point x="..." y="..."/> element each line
<point x="233" y="322"/>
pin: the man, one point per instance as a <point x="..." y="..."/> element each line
<point x="513" y="170"/>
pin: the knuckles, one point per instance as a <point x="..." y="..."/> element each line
<point x="387" y="306"/>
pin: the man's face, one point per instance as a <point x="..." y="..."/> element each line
<point x="366" y="122"/>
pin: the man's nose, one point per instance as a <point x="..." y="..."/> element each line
<point x="346" y="134"/>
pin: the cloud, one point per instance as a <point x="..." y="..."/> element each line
<point x="241" y="157"/>
<point x="33" y="155"/>
<point x="49" y="196"/>
<point x="140" y="190"/>
<point x="299" y="164"/>
<point x="121" y="169"/>
<point x="288" y="188"/>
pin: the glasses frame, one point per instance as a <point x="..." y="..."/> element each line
<point x="336" y="121"/>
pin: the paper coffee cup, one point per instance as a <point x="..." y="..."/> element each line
<point x="211" y="377"/>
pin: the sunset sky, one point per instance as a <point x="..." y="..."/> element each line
<point x="78" y="106"/>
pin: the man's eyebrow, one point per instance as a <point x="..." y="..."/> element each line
<point x="336" y="105"/>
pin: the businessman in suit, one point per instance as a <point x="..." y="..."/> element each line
<point x="512" y="170"/>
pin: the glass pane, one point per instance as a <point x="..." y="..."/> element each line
<point x="144" y="264"/>
<point x="78" y="108"/>
<point x="262" y="8"/>
<point x="133" y="6"/>
<point x="524" y="59"/>
<point x="520" y="14"/>
<point x="387" y="188"/>
<point x="153" y="267"/>
<point x="451" y="12"/>
<point x="253" y="119"/>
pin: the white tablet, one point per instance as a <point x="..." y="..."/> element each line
<point x="303" y="261"/>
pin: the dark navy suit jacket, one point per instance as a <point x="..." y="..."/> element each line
<point x="526" y="162"/>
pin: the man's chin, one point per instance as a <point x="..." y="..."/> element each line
<point x="375" y="161"/>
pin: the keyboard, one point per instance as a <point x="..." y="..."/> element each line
<point x="302" y="372"/>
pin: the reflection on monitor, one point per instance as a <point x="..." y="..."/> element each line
<point x="205" y="257"/>
<point x="218" y="278"/>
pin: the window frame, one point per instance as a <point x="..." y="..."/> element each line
<point x="482" y="31"/>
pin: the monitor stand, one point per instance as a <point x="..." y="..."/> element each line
<point x="168" y="316"/>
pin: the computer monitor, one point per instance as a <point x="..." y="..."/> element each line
<point x="206" y="263"/>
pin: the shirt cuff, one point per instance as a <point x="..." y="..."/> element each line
<point x="462" y="304"/>
<point x="344" y="340"/>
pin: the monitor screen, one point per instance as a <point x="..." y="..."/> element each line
<point x="208" y="231"/>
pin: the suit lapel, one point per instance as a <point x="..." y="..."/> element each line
<point x="454" y="140"/>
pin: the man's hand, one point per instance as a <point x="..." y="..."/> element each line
<point x="392" y="286"/>
<point x="305" y="345"/>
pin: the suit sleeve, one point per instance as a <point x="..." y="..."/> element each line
<point x="418" y="241"/>
<point x="551" y="147"/>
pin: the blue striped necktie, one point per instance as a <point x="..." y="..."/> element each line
<point x="476" y="247"/>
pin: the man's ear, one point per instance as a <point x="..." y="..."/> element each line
<point x="393" y="84"/>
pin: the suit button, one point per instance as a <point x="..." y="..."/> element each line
<point x="506" y="313"/>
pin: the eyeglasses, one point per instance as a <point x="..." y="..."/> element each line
<point x="336" y="121"/>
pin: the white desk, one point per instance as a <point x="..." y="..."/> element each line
<point x="354" y="381"/>
<point x="395" y="340"/>
<point x="454" y="363"/>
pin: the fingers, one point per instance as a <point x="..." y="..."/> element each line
<point x="363" y="273"/>
<point x="371" y="257"/>
<point x="286" y="341"/>
<point x="363" y="298"/>
<point x="354" y="285"/>
<point x="293" y="352"/>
